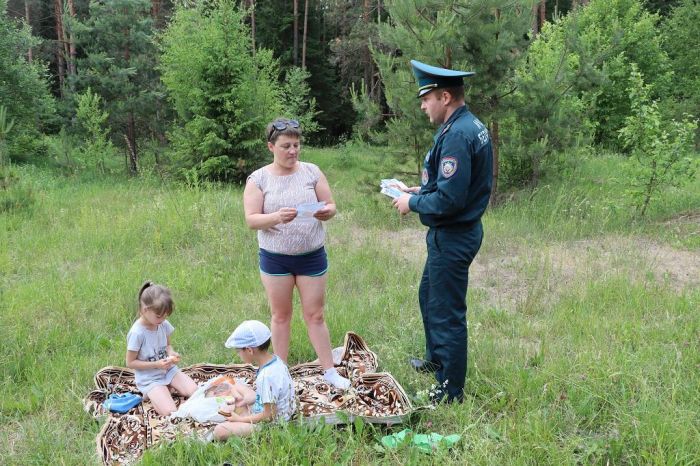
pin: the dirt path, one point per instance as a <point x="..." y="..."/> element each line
<point x="510" y="278"/>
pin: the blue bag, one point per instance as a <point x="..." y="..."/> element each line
<point x="121" y="402"/>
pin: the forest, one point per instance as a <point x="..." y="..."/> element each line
<point x="186" y="87"/>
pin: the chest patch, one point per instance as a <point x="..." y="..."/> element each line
<point x="424" y="176"/>
<point x="448" y="166"/>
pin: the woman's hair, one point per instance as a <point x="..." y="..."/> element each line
<point x="282" y="127"/>
<point x="155" y="298"/>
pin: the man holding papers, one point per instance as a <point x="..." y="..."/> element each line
<point x="454" y="193"/>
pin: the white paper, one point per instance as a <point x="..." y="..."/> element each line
<point x="306" y="211"/>
<point x="392" y="187"/>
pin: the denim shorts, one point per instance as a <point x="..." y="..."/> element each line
<point x="311" y="264"/>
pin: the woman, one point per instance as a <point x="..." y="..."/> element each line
<point x="291" y="248"/>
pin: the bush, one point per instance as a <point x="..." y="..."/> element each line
<point x="223" y="94"/>
<point x="662" y="152"/>
<point x="15" y="195"/>
<point x="96" y="145"/>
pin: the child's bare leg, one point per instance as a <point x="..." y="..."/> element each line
<point x="227" y="429"/>
<point x="161" y="400"/>
<point x="184" y="385"/>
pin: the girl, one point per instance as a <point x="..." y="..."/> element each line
<point x="149" y="354"/>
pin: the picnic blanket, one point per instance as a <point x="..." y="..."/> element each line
<point x="376" y="397"/>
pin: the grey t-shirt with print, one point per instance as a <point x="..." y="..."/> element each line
<point x="151" y="345"/>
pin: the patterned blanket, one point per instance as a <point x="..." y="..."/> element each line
<point x="375" y="397"/>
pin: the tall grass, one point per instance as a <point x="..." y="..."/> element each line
<point x="602" y="368"/>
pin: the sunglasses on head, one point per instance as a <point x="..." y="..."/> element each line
<point x="281" y="126"/>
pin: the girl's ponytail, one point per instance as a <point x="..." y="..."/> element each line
<point x="145" y="285"/>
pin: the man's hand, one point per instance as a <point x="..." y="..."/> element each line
<point x="412" y="189"/>
<point x="401" y="204"/>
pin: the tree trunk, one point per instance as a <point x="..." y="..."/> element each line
<point x="303" y="46"/>
<point x="130" y="138"/>
<point x="252" y="23"/>
<point x="538" y="17"/>
<point x="71" y="43"/>
<point x="60" y="65"/>
<point x="30" y="54"/>
<point x="494" y="145"/>
<point x="543" y="15"/>
<point x="295" y="50"/>
<point x="155" y="9"/>
<point x="367" y="54"/>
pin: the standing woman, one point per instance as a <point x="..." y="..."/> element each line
<point x="291" y="251"/>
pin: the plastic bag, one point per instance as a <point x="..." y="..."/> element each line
<point x="205" y="403"/>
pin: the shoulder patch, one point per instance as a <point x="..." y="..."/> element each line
<point x="448" y="166"/>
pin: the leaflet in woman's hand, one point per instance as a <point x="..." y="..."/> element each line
<point x="306" y="211"/>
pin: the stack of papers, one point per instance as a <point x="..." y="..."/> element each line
<point x="392" y="187"/>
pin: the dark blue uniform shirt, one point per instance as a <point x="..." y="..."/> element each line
<point x="457" y="174"/>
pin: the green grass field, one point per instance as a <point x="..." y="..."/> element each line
<point x="584" y="323"/>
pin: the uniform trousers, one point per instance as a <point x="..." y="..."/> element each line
<point x="442" y="298"/>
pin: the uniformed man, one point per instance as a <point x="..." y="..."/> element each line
<point x="454" y="192"/>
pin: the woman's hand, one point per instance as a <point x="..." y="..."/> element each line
<point x="286" y="214"/>
<point x="326" y="213"/>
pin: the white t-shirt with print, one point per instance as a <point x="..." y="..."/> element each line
<point x="273" y="384"/>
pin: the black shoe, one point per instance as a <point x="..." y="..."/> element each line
<point x="421" y="365"/>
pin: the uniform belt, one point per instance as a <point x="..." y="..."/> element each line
<point x="458" y="227"/>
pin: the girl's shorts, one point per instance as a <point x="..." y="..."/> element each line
<point x="151" y="383"/>
<point x="311" y="264"/>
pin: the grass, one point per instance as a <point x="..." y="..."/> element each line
<point x="584" y="333"/>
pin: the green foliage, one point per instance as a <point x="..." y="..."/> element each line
<point x="614" y="35"/>
<point x="92" y="118"/>
<point x="549" y="111"/>
<point x="6" y="125"/>
<point x="458" y="34"/>
<point x="223" y="94"/>
<point x="23" y="88"/>
<point x="681" y="42"/>
<point x="274" y="30"/>
<point x="368" y="115"/>
<point x="662" y="152"/>
<point x="572" y="87"/>
<point x="64" y="153"/>
<point x="118" y="65"/>
<point x="16" y="195"/>
<point x="298" y="103"/>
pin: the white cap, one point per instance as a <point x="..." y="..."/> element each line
<point x="250" y="334"/>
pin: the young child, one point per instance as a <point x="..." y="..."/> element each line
<point x="273" y="398"/>
<point x="149" y="353"/>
